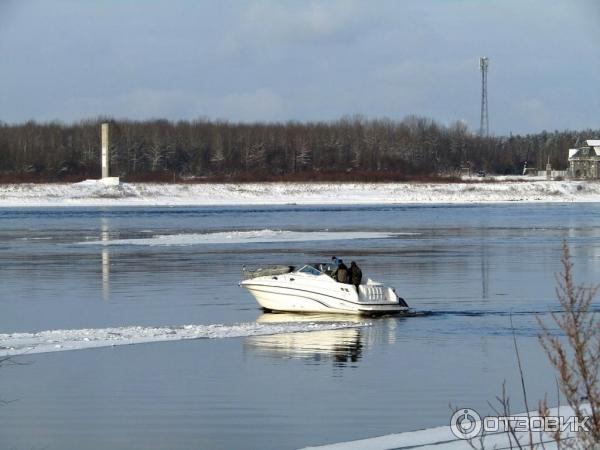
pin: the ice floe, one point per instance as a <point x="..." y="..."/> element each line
<point x="244" y="237"/>
<point x="62" y="340"/>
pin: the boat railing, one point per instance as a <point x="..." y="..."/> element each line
<point x="376" y="293"/>
<point x="265" y="271"/>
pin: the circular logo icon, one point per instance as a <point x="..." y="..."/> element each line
<point x="465" y="423"/>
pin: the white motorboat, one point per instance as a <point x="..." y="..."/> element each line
<point x="312" y="288"/>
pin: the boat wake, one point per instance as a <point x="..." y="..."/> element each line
<point x="15" y="344"/>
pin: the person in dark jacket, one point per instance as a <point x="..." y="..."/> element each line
<point x="355" y="275"/>
<point x="341" y="273"/>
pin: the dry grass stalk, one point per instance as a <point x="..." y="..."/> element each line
<point x="576" y="356"/>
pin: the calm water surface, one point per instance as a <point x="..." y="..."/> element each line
<point x="470" y="267"/>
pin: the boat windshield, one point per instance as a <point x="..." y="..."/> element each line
<point x="310" y="270"/>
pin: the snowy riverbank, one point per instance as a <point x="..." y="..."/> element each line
<point x="91" y="193"/>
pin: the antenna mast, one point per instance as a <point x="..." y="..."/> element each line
<point x="484" y="126"/>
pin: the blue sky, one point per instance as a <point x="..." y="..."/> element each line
<point x="302" y="60"/>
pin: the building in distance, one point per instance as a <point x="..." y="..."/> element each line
<point x="584" y="162"/>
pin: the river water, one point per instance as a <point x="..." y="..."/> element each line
<point x="468" y="269"/>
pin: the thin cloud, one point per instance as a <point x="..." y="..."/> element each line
<point x="302" y="60"/>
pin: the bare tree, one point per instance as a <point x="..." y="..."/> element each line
<point x="415" y="144"/>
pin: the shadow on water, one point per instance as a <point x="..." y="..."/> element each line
<point x="497" y="313"/>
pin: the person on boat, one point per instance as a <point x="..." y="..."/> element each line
<point x="355" y="275"/>
<point x="331" y="268"/>
<point x="341" y="273"/>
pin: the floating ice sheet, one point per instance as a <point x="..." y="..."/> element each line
<point x="62" y="340"/>
<point x="441" y="437"/>
<point x="247" y="237"/>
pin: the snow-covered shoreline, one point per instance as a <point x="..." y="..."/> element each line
<point x="93" y="194"/>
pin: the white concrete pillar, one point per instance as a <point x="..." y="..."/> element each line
<point x="105" y="155"/>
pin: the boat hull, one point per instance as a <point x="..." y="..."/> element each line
<point x="284" y="298"/>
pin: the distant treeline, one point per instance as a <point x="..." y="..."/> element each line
<point x="351" y="148"/>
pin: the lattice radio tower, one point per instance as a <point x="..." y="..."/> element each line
<point x="484" y="125"/>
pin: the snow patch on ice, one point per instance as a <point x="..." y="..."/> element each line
<point x="108" y="181"/>
<point x="245" y="237"/>
<point x="61" y="340"/>
<point x="443" y="438"/>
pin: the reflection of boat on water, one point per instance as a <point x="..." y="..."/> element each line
<point x="341" y="346"/>
<point x="313" y="289"/>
